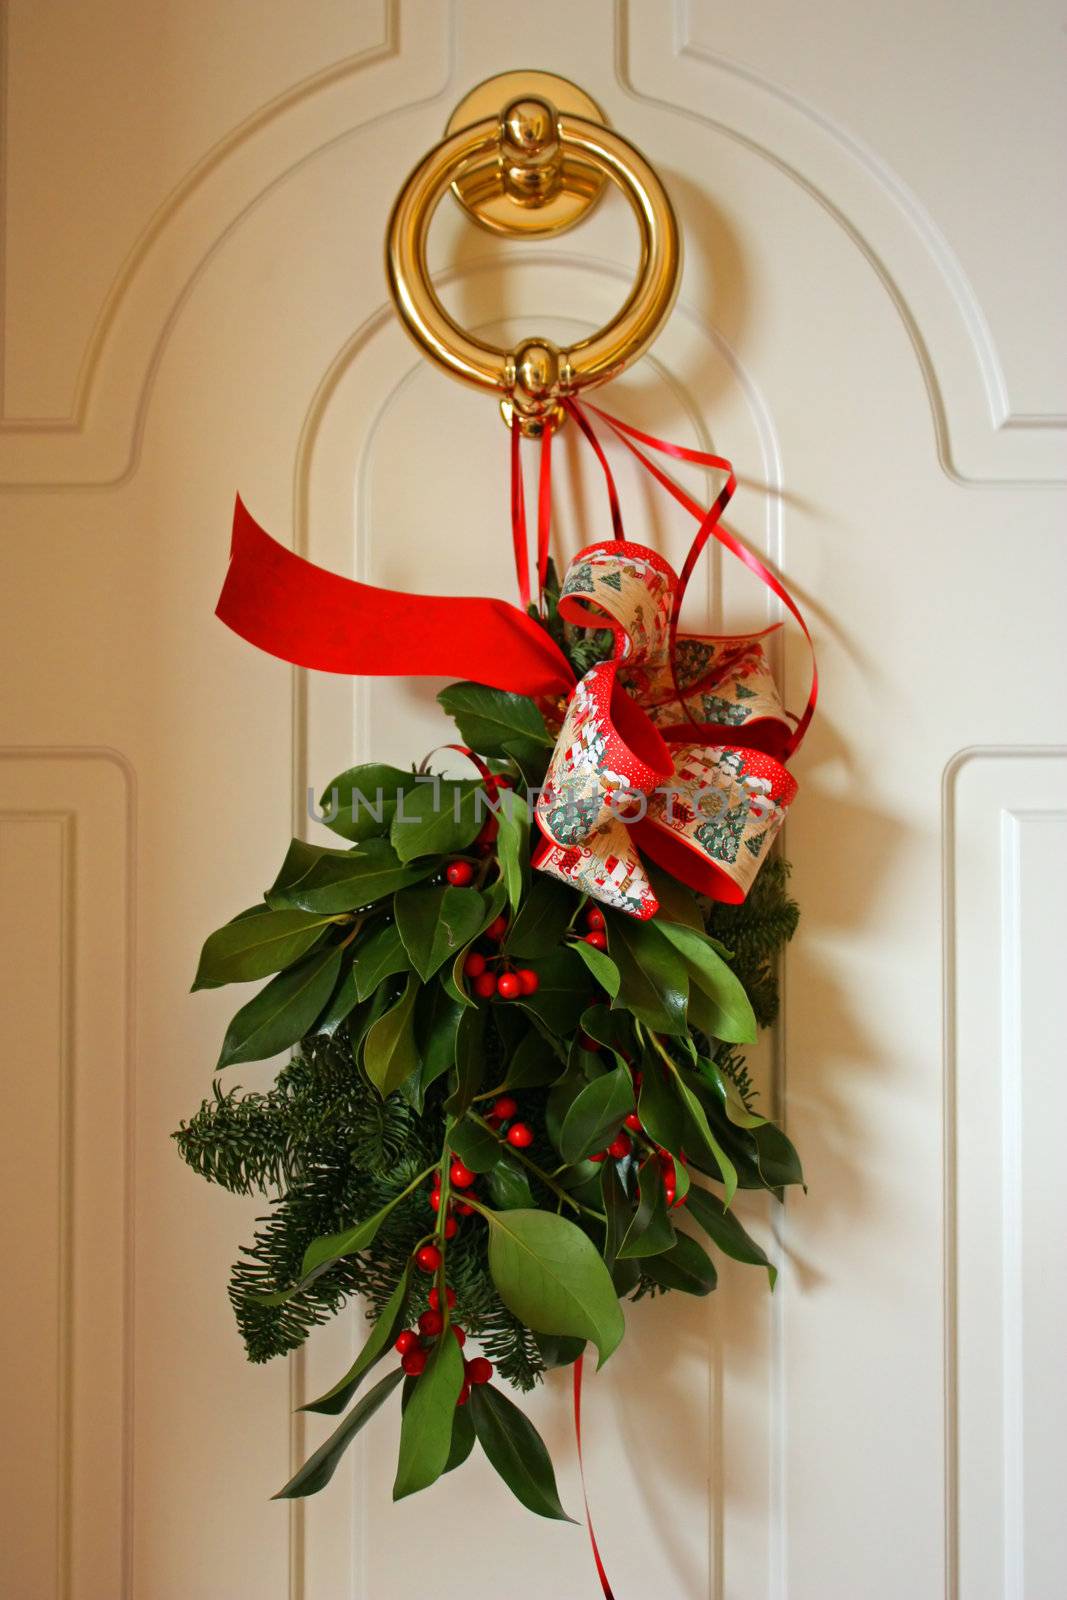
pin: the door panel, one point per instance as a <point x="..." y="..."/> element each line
<point x="193" y="213"/>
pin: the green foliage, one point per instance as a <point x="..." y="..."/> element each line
<point x="755" y="932"/>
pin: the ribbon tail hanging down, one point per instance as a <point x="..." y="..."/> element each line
<point x="301" y="613"/>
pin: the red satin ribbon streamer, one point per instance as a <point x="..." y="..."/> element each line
<point x="710" y="525"/>
<point x="314" y="618"/>
<point x="600" y="1572"/>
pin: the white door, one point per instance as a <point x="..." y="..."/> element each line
<point x="871" y="326"/>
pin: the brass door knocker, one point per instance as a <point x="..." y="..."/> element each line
<point x="532" y="169"/>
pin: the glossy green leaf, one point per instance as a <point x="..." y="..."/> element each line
<point x="477" y="1147"/>
<point x="258" y="943"/>
<point x="601" y="966"/>
<point x="470" y="1061"/>
<point x="283" y="1011"/>
<point x="558" y="1352"/>
<point x="618" y="1210"/>
<point x="724" y="1230"/>
<point x="341" y="1003"/>
<point x="659" y="1106"/>
<point x="437" y="817"/>
<point x="542" y="919"/>
<point x="462" y="1438"/>
<point x="513" y="846"/>
<point x="685" y="1266"/>
<point x="342" y="880"/>
<point x="533" y="1063"/>
<point x="365" y="798"/>
<point x="508" y="1185"/>
<point x="390" y="1053"/>
<point x="653" y="981"/>
<point x="426" y="1428"/>
<point x="436" y="923"/>
<point x="378" y="1343"/>
<point x="700" y="1127"/>
<point x="563" y="991"/>
<point x="676" y="902"/>
<point x="650" y="1231"/>
<point x="595" y="1114"/>
<point x="734" y="1019"/>
<point x="779" y="1163"/>
<point x="436" y="1021"/>
<point x="495" y="722"/>
<point x="516" y="1450"/>
<point x="549" y="1273"/>
<point x="380" y="956"/>
<point x="317" y="1471"/>
<point x="727" y="1091"/>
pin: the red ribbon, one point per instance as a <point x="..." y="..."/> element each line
<point x="600" y="1572"/>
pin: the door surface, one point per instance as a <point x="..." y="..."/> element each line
<point x="871" y="326"/>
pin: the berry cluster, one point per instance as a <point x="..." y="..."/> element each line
<point x="414" y="1347"/>
<point x="502" y="1118"/>
<point x="594" y="922"/>
<point x="633" y="1131"/>
<point x="506" y="981"/>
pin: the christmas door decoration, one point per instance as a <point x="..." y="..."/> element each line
<point x="516" y="1001"/>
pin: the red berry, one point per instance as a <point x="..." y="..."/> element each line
<point x="601" y="1155"/>
<point x="528" y="980"/>
<point x="479" y="1370"/>
<point x="428" y="1257"/>
<point x="451" y="1227"/>
<point x="520" y="1135"/>
<point x="464" y="1210"/>
<point x="594" y="918"/>
<point x="436" y="1179"/>
<point x="435" y="1198"/>
<point x="497" y="929"/>
<point x="597" y="939"/>
<point x="461" y="1335"/>
<point x="505" y="1108"/>
<point x="485" y="985"/>
<point x="509" y="986"/>
<point x="474" y="965"/>
<point x="405" y="1341"/>
<point x="459" y="873"/>
<point x="464" y="1395"/>
<point x="414" y="1362"/>
<point x="435" y="1298"/>
<point x="493" y="1120"/>
<point x="620" y="1146"/>
<point x="462" y="1177"/>
<point x="430" y="1324"/>
<point x="633" y="1122"/>
<point x="587" y="1041"/>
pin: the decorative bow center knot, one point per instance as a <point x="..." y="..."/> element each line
<point x="671" y="749"/>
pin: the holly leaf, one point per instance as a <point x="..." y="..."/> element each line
<point x="779" y="1163"/>
<point x="601" y="966"/>
<point x="436" y="923"/>
<point x="700" y="1128"/>
<point x="259" y="942"/>
<point x="364" y="800"/>
<point x="533" y="1063"/>
<point x="733" y="1019"/>
<point x="595" y="1115"/>
<point x="685" y="1266"/>
<point x="318" y="1469"/>
<point x="436" y="1021"/>
<point x="659" y="1106"/>
<point x="380" y="1340"/>
<point x="390" y="1054"/>
<point x="562" y="993"/>
<point x="653" y="982"/>
<point x="283" y="1011"/>
<point x="495" y="722"/>
<point x="437" y="817"/>
<point x="618" y="1211"/>
<point x="516" y="1450"/>
<point x="650" y="1231"/>
<point x="341" y="880"/>
<point x="470" y="1060"/>
<point x="724" y="1230"/>
<point x="380" y="957"/>
<point x="676" y="902"/>
<point x="426" y="1428"/>
<point x="341" y="1004"/>
<point x="476" y="1147"/>
<point x="462" y="1439"/>
<point x="550" y="1275"/>
<point x="542" y="919"/>
<point x="513" y="846"/>
<point x="509" y="1187"/>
